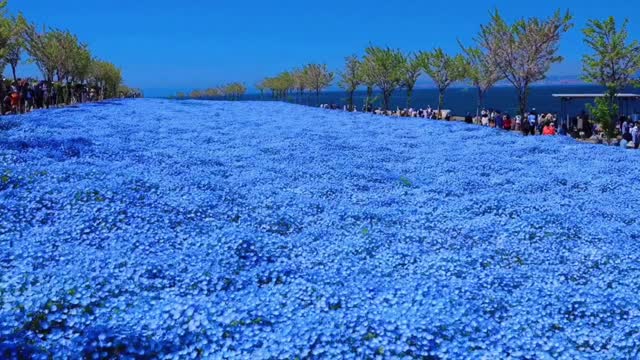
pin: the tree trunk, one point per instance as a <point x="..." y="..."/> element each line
<point x="440" y="102"/>
<point x="480" y="101"/>
<point x="386" y="96"/>
<point x="350" y="100"/>
<point x="369" y="95"/>
<point x="317" y="97"/>
<point x="409" y="94"/>
<point x="522" y="99"/>
<point x="13" y="70"/>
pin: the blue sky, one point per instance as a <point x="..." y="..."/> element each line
<point x="163" y="46"/>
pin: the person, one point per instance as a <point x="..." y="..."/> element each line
<point x="624" y="128"/>
<point x="499" y="120"/>
<point x="15" y="100"/>
<point x="29" y="95"/>
<point x="525" y="128"/>
<point x="624" y="143"/>
<point x="635" y="135"/>
<point x="549" y="130"/>
<point x="518" y="122"/>
<point x="563" y="130"/>
<point x="507" y="122"/>
<point x="46" y="97"/>
<point x="468" y="119"/>
<point x="484" y="118"/>
<point x="6" y="104"/>
<point x="533" y="120"/>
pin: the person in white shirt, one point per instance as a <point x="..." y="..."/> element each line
<point x="635" y="134"/>
<point x="484" y="118"/>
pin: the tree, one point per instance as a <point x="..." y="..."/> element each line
<point x="300" y="82"/>
<point x="614" y="64"/>
<point x="261" y="87"/>
<point x="212" y="93"/>
<point x="481" y="71"/>
<point x="384" y="67"/>
<point x="525" y="50"/>
<point x="235" y="90"/>
<point x="317" y="78"/>
<point x="369" y="81"/>
<point x="195" y="94"/>
<point x="14" y="45"/>
<point x="106" y="77"/>
<point x="351" y="78"/>
<point x="411" y="73"/>
<point x="80" y="62"/>
<point x="41" y="47"/>
<point x="280" y="85"/>
<point x="8" y="31"/>
<point x="443" y="69"/>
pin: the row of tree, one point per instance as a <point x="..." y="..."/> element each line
<point x="59" y="55"/>
<point x="520" y="53"/>
<point x="312" y="77"/>
<point x="231" y="91"/>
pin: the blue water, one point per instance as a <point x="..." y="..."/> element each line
<point x="463" y="100"/>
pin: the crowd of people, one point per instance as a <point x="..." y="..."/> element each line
<point x="427" y="113"/>
<point x="532" y="123"/>
<point x="24" y="95"/>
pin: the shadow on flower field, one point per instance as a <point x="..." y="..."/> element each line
<point x="164" y="229"/>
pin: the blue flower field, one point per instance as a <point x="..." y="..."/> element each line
<point x="149" y="229"/>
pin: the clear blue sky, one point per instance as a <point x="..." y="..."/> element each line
<point x="163" y="46"/>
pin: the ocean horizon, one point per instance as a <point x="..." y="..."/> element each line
<point x="459" y="100"/>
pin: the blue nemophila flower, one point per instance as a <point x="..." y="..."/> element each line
<point x="154" y="229"/>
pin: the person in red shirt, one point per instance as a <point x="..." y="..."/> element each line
<point x="15" y="100"/>
<point x="549" y="130"/>
<point x="506" y="123"/>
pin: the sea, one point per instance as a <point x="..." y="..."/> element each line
<point x="464" y="100"/>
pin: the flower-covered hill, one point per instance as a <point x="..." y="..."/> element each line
<point x="163" y="229"/>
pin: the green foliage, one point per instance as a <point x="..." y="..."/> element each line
<point x="317" y="77"/>
<point x="614" y="64"/>
<point x="60" y="54"/>
<point x="351" y="77"/>
<point x="411" y="72"/>
<point x="524" y="51"/>
<point x="280" y="85"/>
<point x="232" y="91"/>
<point x="605" y="112"/>
<point x="107" y="77"/>
<point x="481" y="70"/>
<point x="384" y="68"/>
<point x="15" y="45"/>
<point x="405" y="181"/>
<point x="443" y="69"/>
